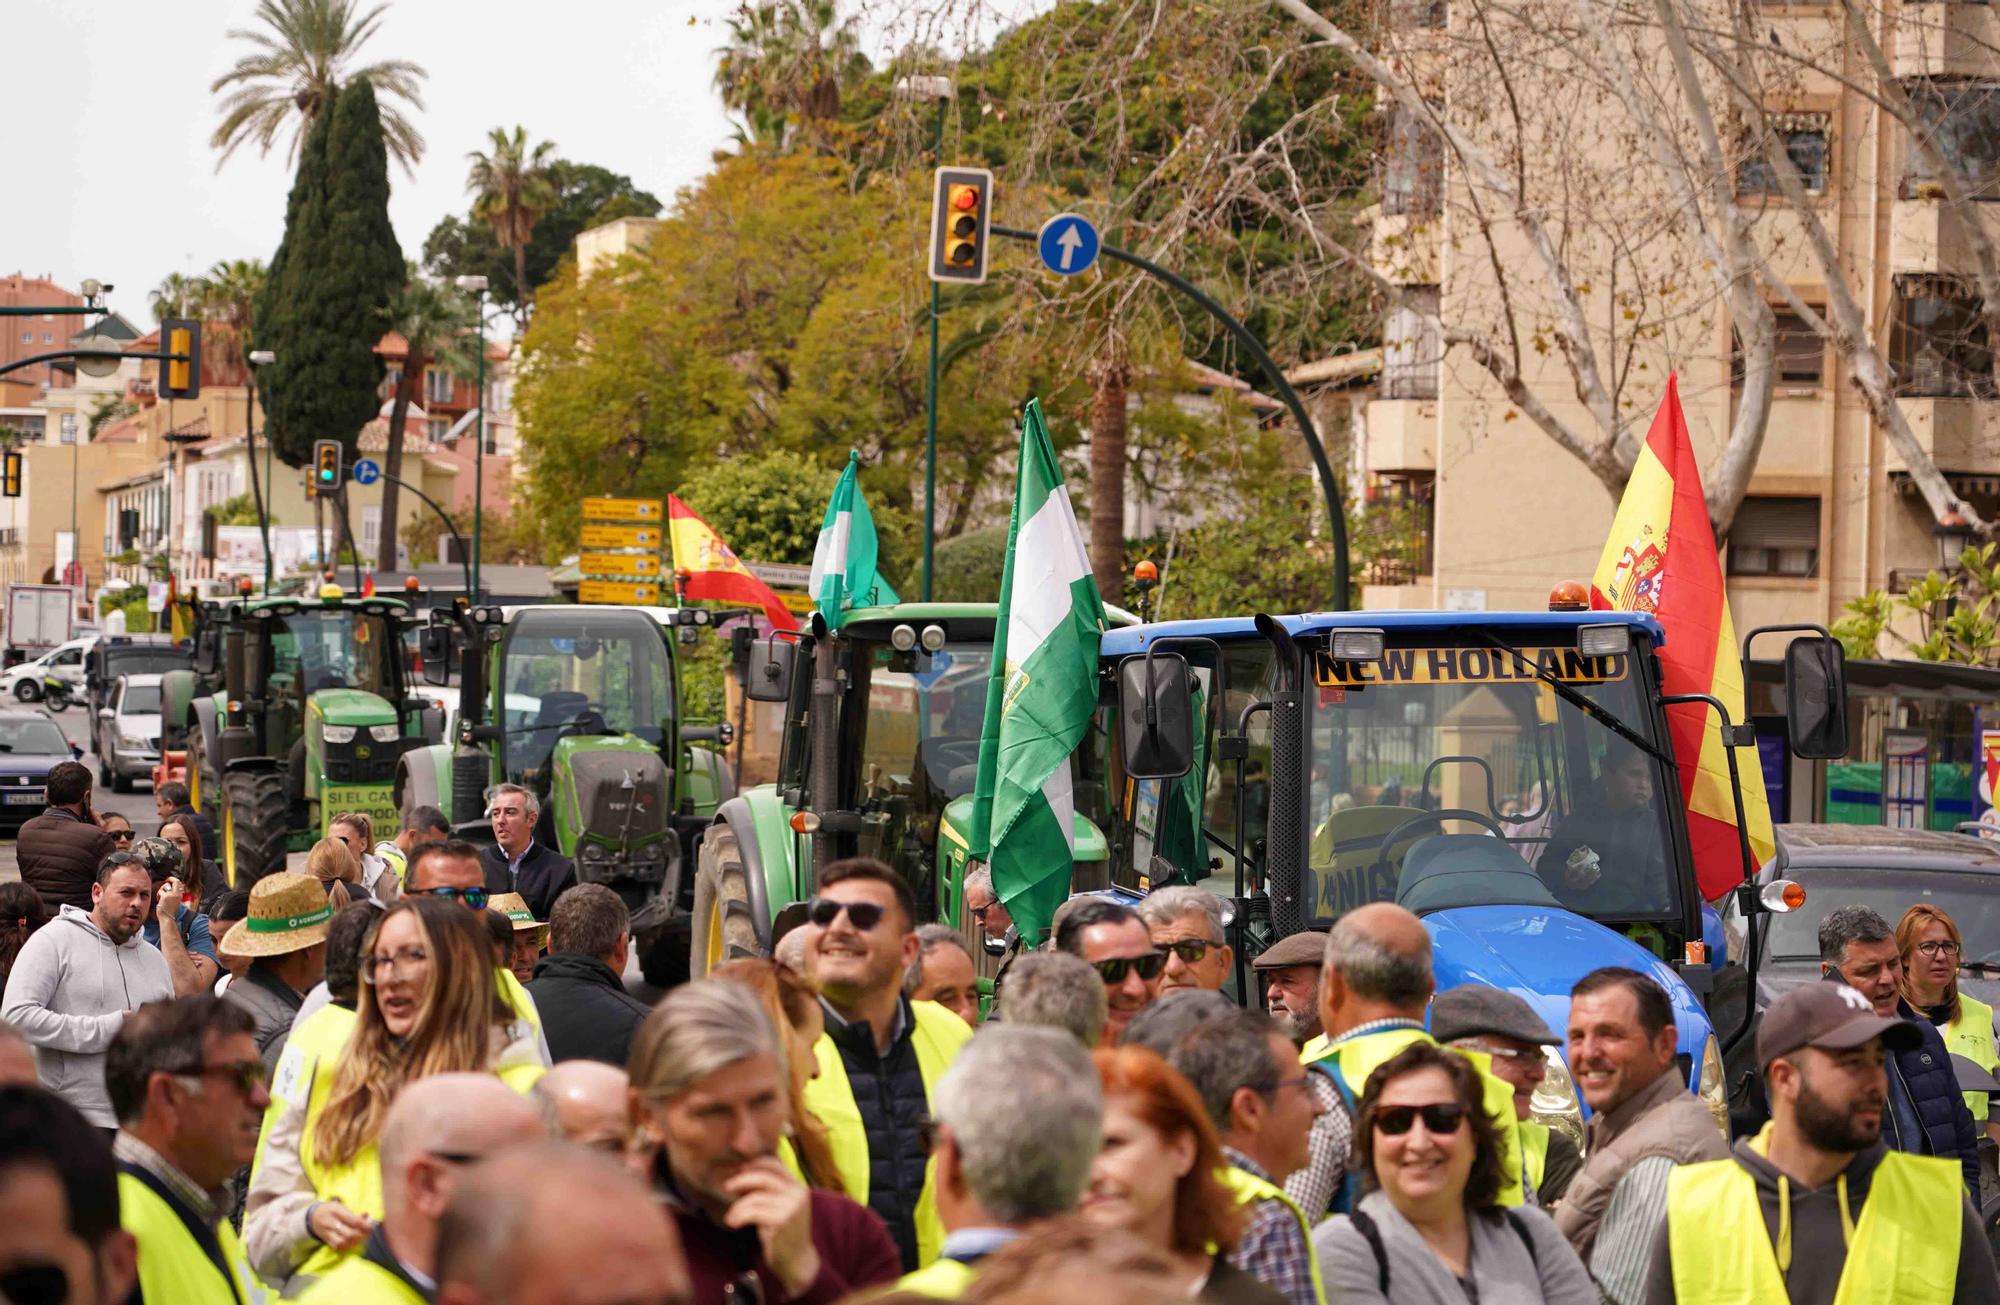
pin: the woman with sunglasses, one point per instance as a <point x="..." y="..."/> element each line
<point x="793" y="1006"/>
<point x="1156" y="1177"/>
<point x="428" y="1006"/>
<point x="1932" y="949"/>
<point x="1430" y="1229"/>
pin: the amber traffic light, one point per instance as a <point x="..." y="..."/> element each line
<point x="10" y="473"/>
<point x="180" y="340"/>
<point x="961" y="213"/>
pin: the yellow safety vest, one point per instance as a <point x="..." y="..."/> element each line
<point x="318" y="1039"/>
<point x="940" y="1280"/>
<point x="1903" y="1251"/>
<point x="1534" y="1152"/>
<point x="1971" y="1036"/>
<point x="1248" y="1189"/>
<point x="937" y="1035"/>
<point x="172" y="1265"/>
<point x="1315" y="1049"/>
<point x="517" y="999"/>
<point x="360" y="1282"/>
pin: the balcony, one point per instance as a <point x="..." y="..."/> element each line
<point x="1945" y="40"/>
<point x="1402" y="435"/>
<point x="1927" y="235"/>
<point x="1959" y="434"/>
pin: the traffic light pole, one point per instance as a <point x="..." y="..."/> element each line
<point x="930" y="401"/>
<point x="464" y="554"/>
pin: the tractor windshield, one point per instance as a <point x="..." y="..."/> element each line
<point x="337" y="648"/>
<point x="570" y="670"/>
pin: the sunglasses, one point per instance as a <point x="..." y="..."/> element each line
<point x="472" y="897"/>
<point x="245" y="1075"/>
<point x="1190" y="950"/>
<point x="122" y="835"/>
<point x="1441" y="1120"/>
<point x="862" y="915"/>
<point x="1113" y="969"/>
<point x="34" y="1284"/>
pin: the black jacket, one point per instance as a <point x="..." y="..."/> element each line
<point x="890" y="1096"/>
<point x="202" y="828"/>
<point x="545" y="873"/>
<point x="586" y="1012"/>
<point x="59" y="853"/>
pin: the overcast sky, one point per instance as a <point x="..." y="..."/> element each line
<point x="119" y="182"/>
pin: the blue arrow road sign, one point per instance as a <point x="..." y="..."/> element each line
<point x="366" y="472"/>
<point x="1068" y="244"/>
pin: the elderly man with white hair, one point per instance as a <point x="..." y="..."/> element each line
<point x="1187" y="927"/>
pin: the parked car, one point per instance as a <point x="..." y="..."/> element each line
<point x="126" y="732"/>
<point x="65" y="661"/>
<point x="30" y="744"/>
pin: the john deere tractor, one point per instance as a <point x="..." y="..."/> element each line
<point x="300" y="711"/>
<point x="580" y="705"/>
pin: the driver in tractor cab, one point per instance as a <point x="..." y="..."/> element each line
<point x="1605" y="856"/>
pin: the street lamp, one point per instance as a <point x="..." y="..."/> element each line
<point x="259" y="358"/>
<point x="938" y="89"/>
<point x="476" y="285"/>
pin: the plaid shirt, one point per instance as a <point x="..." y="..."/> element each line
<point x="1274" y="1249"/>
<point x="207" y="1206"/>
<point x="1314" y="1186"/>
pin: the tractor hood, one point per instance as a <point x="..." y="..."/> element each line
<point x="352" y="707"/>
<point x="1539" y="954"/>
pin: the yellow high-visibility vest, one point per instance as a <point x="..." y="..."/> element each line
<point x="936" y="1035"/>
<point x="360" y="1282"/>
<point x="940" y="1280"/>
<point x="1971" y="1036"/>
<point x="172" y="1265"/>
<point x="1248" y="1189"/>
<point x="1903" y="1251"/>
<point x="1534" y="1152"/>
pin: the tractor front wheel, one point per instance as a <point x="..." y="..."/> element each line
<point x="725" y="928"/>
<point x="254" y="810"/>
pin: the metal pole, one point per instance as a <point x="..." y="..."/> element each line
<point x="1329" y="486"/>
<point x="257" y="486"/>
<point x="464" y="560"/>
<point x="479" y="452"/>
<point x="930" y="403"/>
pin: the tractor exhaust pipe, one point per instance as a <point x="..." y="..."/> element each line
<point x="1284" y="837"/>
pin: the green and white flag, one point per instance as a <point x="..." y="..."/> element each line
<point x="843" y="570"/>
<point x="1041" y="693"/>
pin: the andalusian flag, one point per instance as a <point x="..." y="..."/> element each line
<point x="843" y="571"/>
<point x="713" y="571"/>
<point x="1040" y="694"/>
<point x="1661" y="559"/>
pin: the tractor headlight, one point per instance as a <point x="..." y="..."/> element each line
<point x="1712" y="1086"/>
<point x="385" y="733"/>
<point x="595" y="854"/>
<point x="337" y="733"/>
<point x="1554" y="1102"/>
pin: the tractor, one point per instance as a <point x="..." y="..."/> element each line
<point x="298" y="711"/>
<point x="580" y="705"/>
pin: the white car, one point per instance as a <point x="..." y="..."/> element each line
<point x="127" y="732"/>
<point x="64" y="661"/>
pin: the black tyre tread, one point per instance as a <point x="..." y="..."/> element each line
<point x="722" y="882"/>
<point x="26" y="689"/>
<point x="261" y="809"/>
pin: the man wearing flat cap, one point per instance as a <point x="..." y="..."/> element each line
<point x="1475" y="1017"/>
<point x="1816" y="1208"/>
<point x="1289" y="969"/>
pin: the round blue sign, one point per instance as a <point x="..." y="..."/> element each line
<point x="1068" y="244"/>
<point x="366" y="472"/>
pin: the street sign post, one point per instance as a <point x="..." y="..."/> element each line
<point x="621" y="537"/>
<point x="619" y="564"/>
<point x="624" y="509"/>
<point x="1068" y="244"/>
<point x="366" y="471"/>
<point x="621" y="592"/>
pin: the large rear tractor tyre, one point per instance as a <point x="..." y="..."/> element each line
<point x="254" y="811"/>
<point x="725" y="927"/>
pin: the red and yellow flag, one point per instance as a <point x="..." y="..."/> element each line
<point x="713" y="571"/>
<point x="1661" y="558"/>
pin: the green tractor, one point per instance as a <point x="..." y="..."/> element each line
<point x="878" y="757"/>
<point x="580" y="705"/>
<point x="296" y="710"/>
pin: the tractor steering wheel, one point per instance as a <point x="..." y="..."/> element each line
<point x="1438" y="817"/>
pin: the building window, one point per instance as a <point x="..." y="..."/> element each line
<point x="392" y="380"/>
<point x="1799" y="355"/>
<point x="371" y="530"/>
<point x="69" y="428"/>
<point x="1938" y="343"/>
<point x="27" y="337"/>
<point x="437" y="386"/>
<point x="1804" y="138"/>
<point x="437" y="428"/>
<point x="1963" y="119"/>
<point x="1412" y="165"/>
<point x="1777" y="537"/>
<point x="1410" y="345"/>
<point x="47" y="338"/>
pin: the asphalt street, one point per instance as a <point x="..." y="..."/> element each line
<point x="136" y="807"/>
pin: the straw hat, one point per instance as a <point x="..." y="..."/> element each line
<point x="515" y="908"/>
<point x="288" y="913"/>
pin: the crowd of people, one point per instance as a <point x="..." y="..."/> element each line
<point x="415" y="1073"/>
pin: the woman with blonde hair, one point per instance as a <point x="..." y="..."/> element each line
<point x="428" y="1006"/>
<point x="793" y="1006"/>
<point x="1932" y="949"/>
<point x="337" y="870"/>
<point x="357" y="831"/>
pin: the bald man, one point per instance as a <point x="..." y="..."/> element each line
<point x="558" y="1225"/>
<point x="438" y="1126"/>
<point x="584" y="1103"/>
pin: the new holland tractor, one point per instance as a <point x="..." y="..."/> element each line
<point x="296" y="710"/>
<point x="580" y="705"/>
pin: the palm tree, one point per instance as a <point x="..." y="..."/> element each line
<point x="301" y="57"/>
<point x="178" y="295"/>
<point x="435" y="322"/>
<point x="230" y="288"/>
<point x="785" y="66"/>
<point x="512" y="187"/>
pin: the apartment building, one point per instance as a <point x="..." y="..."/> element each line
<point x="24" y="337"/>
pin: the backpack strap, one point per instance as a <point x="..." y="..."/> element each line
<point x="1520" y="1227"/>
<point x="1373" y="1235"/>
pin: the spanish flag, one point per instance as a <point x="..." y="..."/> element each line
<point x="713" y="572"/>
<point x="1661" y="558"/>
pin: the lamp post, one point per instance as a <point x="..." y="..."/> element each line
<point x="940" y="90"/>
<point x="476" y="285"/>
<point x="259" y="358"/>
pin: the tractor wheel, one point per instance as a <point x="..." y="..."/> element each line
<point x="724" y="927"/>
<point x="254" y="810"/>
<point x="193" y="778"/>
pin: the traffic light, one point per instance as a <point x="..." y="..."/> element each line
<point x="10" y="474"/>
<point x="326" y="466"/>
<point x="180" y="339"/>
<point x="961" y="211"/>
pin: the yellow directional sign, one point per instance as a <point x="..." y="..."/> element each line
<point x="623" y="509"/>
<point x="621" y="537"/>
<point x="595" y="564"/>
<point x="618" y="591"/>
<point x="794" y="601"/>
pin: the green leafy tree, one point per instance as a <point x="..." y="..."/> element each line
<point x="177" y="295"/>
<point x="238" y="511"/>
<point x="300" y="58"/>
<point x="767" y="508"/>
<point x="512" y="188"/>
<point x="586" y="196"/>
<point x="228" y="303"/>
<point x="437" y="325"/>
<point x="1955" y="617"/>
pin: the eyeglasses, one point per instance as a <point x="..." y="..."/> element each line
<point x="1113" y="969"/>
<point x="1441" y="1120"/>
<point x="1190" y="950"/>
<point x="34" y="1284"/>
<point x="979" y="912"/>
<point x="1282" y="1084"/>
<point x="404" y="964"/>
<point x="1942" y="947"/>
<point x="245" y="1075"/>
<point x="862" y="915"/>
<point x="472" y="897"/>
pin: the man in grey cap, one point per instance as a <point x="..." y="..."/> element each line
<point x="1290" y="969"/>
<point x="1507" y="1031"/>
<point x="1816" y="1207"/>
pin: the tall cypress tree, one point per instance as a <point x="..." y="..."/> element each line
<point x="274" y="317"/>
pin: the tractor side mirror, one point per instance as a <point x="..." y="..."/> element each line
<point x="1155" y="716"/>
<point x="208" y="652"/>
<point x="768" y="669"/>
<point x="434" y="642"/>
<point x="1816" y="698"/>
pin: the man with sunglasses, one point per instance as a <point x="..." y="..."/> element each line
<point x="188" y="1085"/>
<point x="60" y="1240"/>
<point x="1112" y="937"/>
<point x="1186" y="925"/>
<point x="882" y="1054"/>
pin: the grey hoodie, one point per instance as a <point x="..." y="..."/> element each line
<point x="68" y="994"/>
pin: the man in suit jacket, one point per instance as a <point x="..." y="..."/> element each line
<point x="516" y="863"/>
